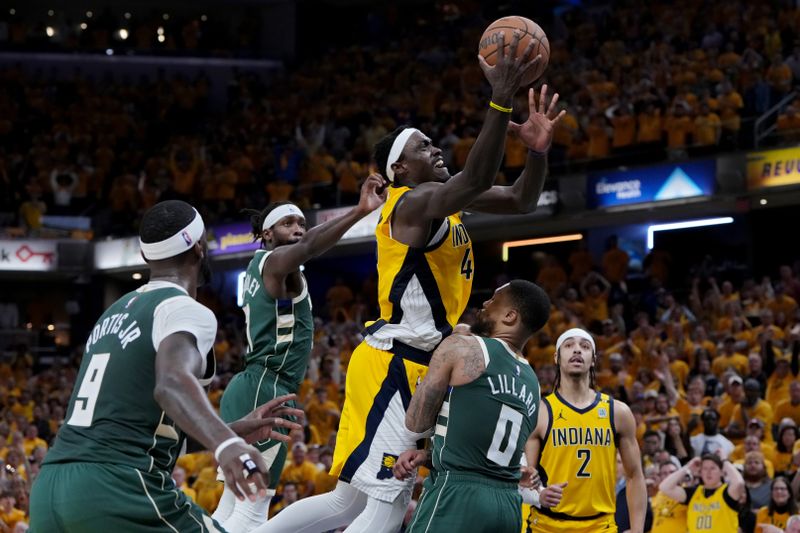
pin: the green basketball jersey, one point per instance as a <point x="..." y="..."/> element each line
<point x="112" y="416"/>
<point x="483" y="425"/>
<point x="279" y="331"/>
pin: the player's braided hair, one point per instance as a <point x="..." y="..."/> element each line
<point x="257" y="220"/>
<point x="592" y="373"/>
<point x="383" y="147"/>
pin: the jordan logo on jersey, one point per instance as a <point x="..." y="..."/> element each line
<point x="387" y="464"/>
<point x="561" y="415"/>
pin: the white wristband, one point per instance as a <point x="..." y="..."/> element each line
<point x="530" y="496"/>
<point x="224" y="444"/>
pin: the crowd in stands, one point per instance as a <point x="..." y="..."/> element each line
<point x="639" y="82"/>
<point x="707" y="367"/>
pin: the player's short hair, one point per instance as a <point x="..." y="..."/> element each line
<point x="382" y="148"/>
<point x="164" y="220"/>
<point x="532" y="303"/>
<point x="257" y="219"/>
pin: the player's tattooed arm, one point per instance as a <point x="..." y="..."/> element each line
<point x="427" y="400"/>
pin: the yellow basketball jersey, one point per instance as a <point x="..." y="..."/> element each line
<point x="710" y="513"/>
<point x="422" y="291"/>
<point x="580" y="447"/>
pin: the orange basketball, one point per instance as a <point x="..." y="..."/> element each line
<point x="530" y="31"/>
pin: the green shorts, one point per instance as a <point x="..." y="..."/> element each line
<point x="252" y="387"/>
<point x="468" y="502"/>
<point x="98" y="497"/>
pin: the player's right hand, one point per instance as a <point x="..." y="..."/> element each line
<point x="408" y="462"/>
<point x="507" y="74"/>
<point x="246" y="473"/>
<point x="551" y="495"/>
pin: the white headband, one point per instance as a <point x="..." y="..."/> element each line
<point x="177" y="244"/>
<point x="575" y="332"/>
<point x="397" y="149"/>
<point x="279" y="212"/>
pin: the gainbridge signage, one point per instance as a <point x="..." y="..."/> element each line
<point x="773" y="168"/>
<point x="651" y="184"/>
<point x="28" y="256"/>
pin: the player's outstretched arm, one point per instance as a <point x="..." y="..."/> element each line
<point x="537" y="134"/>
<point x="318" y="240"/>
<point x="436" y="200"/>
<point x="636" y="492"/>
<point x="179" y="393"/>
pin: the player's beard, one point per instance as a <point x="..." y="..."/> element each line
<point x="483" y="327"/>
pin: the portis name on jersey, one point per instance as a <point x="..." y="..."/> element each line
<point x="508" y="385"/>
<point x="112" y="325"/>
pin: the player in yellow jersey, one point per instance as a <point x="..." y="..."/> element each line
<point x="574" y="448"/>
<point x="712" y="505"/>
<point x="425" y="272"/>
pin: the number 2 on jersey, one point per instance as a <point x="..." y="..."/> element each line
<point x="86" y="399"/>
<point x="586" y="456"/>
<point x="466" y="264"/>
<point x="503" y="435"/>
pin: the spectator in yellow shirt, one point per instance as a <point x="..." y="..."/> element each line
<point x="32" y="440"/>
<point x="781" y="506"/>
<point x="707" y="127"/>
<point x="300" y="471"/>
<point x="790" y="407"/>
<point x="324" y="482"/>
<point x="595" y="290"/>
<point x="752" y="407"/>
<point x="615" y="261"/>
<point x="179" y="477"/>
<point x="778" y="382"/>
<point x="787" y="436"/>
<point x="322" y="413"/>
<point x="650" y="125"/>
<point x="729" y="358"/>
<point x="10" y="515"/>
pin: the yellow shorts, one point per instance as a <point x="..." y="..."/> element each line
<point x="372" y="430"/>
<point x="540" y="523"/>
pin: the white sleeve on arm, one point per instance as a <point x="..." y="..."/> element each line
<point x="184" y="313"/>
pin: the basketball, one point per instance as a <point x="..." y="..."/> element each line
<point x="530" y="31"/>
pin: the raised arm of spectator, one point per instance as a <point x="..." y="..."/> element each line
<point x="734" y="479"/>
<point x="671" y="485"/>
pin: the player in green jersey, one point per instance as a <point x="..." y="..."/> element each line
<point x="280" y="328"/>
<point x="480" y="399"/>
<point x="139" y="393"/>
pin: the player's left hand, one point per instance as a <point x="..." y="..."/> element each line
<point x="260" y="424"/>
<point x="537" y="132"/>
<point x="408" y="462"/>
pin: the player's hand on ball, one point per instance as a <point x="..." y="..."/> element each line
<point x="507" y="74"/>
<point x="262" y="422"/>
<point x="408" y="462"/>
<point x="551" y="495"/>
<point x="373" y="193"/>
<point x="537" y="132"/>
<point x="246" y="473"/>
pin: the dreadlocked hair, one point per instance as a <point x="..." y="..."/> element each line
<point x="592" y="373"/>
<point x="257" y="220"/>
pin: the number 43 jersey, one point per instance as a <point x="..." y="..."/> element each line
<point x="112" y="416"/>
<point x="483" y="425"/>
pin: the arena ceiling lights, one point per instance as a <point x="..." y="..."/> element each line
<point x="540" y="240"/>
<point x="699" y="223"/>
